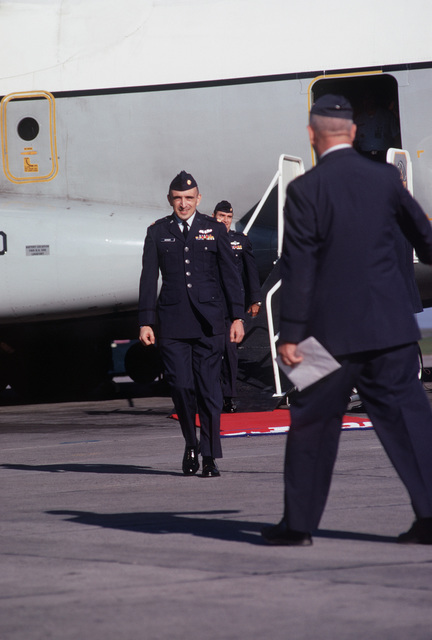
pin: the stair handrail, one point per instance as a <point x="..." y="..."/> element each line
<point x="282" y="177"/>
<point x="261" y="203"/>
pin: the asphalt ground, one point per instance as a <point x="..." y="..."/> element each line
<point x="102" y="537"/>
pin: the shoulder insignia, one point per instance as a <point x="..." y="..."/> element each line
<point x="160" y="220"/>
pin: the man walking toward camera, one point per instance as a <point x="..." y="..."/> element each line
<point x="193" y="255"/>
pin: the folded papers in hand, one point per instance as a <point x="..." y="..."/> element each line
<point x="316" y="364"/>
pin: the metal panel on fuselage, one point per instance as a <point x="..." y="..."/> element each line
<point x="126" y="147"/>
<point x="68" y="261"/>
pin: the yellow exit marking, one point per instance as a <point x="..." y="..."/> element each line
<point x="29" y="167"/>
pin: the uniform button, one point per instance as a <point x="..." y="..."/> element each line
<point x="186" y="249"/>
<point x="188" y="273"/>
<point x="189" y="286"/>
<point x="187" y="261"/>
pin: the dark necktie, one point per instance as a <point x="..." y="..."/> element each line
<point x="185" y="229"/>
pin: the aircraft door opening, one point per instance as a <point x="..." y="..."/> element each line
<point x="29" y="149"/>
<point x="375" y="101"/>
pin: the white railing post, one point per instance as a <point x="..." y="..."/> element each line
<point x="273" y="338"/>
<point x="289" y="167"/>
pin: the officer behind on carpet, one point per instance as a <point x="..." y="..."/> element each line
<point x="342" y="283"/>
<point x="246" y="265"/>
<point x="192" y="252"/>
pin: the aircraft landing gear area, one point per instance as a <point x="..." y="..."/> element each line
<point x="53" y="369"/>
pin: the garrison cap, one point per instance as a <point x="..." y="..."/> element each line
<point x="183" y="182"/>
<point x="333" y="107"/>
<point x="224" y="206"/>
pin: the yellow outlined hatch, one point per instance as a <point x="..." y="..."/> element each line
<point x="28" y="126"/>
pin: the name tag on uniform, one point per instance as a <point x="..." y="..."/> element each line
<point x="168" y="239"/>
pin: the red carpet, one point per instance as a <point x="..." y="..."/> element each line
<point x="270" y="422"/>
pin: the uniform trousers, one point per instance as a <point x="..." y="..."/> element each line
<point x="393" y="396"/>
<point x="192" y="369"/>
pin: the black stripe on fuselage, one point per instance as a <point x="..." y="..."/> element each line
<point x="239" y="81"/>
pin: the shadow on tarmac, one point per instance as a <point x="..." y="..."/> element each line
<point x="159" y="523"/>
<point x="189" y="522"/>
<point x="92" y="468"/>
<point x="113" y="468"/>
<point x="127" y="412"/>
<point x="352" y="535"/>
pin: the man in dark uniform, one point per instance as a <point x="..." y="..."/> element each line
<point x="246" y="265"/>
<point x="342" y="283"/>
<point x="192" y="252"/>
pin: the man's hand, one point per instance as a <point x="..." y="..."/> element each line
<point x="287" y="352"/>
<point x="254" y="309"/>
<point x="237" y="331"/>
<point x="146" y="336"/>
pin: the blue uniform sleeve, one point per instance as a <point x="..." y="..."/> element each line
<point x="148" y="282"/>
<point x="298" y="263"/>
<point x="415" y="225"/>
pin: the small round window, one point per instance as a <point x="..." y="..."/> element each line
<point x="28" y="129"/>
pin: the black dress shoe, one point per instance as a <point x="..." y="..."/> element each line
<point x="358" y="408"/>
<point x="229" y="406"/>
<point x="210" y="469"/>
<point x="280" y="534"/>
<point x="420" y="533"/>
<point x="190" y="461"/>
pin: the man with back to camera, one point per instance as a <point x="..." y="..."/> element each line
<point x="192" y="252"/>
<point x="246" y="265"/>
<point x="342" y="284"/>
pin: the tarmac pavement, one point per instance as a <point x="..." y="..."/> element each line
<point x="103" y="538"/>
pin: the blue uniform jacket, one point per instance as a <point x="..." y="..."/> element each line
<point x="342" y="280"/>
<point x="196" y="275"/>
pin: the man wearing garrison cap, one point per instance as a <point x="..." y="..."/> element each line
<point x="246" y="265"/>
<point x="343" y="284"/>
<point x="192" y="253"/>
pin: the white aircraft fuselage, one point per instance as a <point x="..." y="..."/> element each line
<point x="104" y="102"/>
